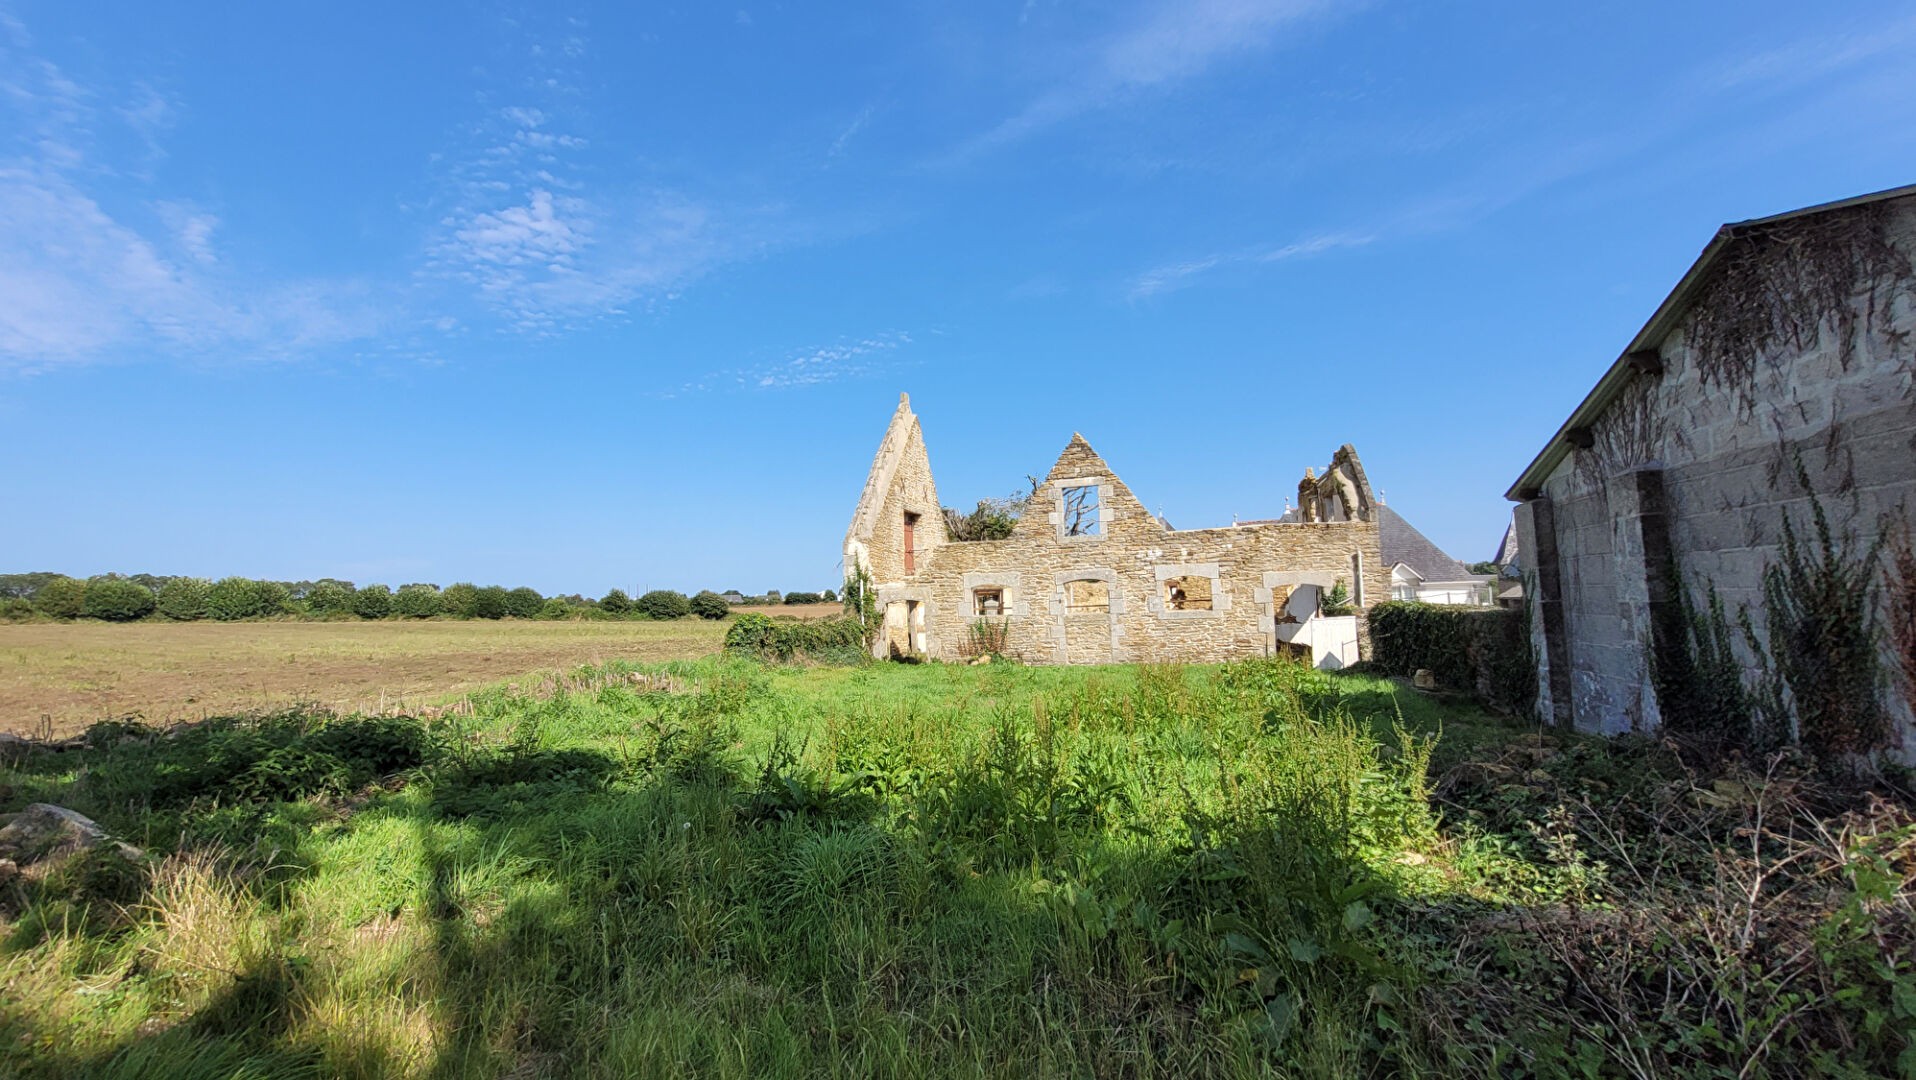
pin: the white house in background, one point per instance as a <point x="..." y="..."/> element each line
<point x="1419" y="569"/>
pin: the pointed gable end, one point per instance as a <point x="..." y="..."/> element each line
<point x="899" y="485"/>
<point x="1060" y="510"/>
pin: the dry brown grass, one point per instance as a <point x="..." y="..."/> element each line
<point x="57" y="678"/>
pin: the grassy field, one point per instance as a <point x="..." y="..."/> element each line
<point x="56" y="678"/>
<point x="721" y="868"/>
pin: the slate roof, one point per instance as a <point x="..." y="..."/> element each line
<point x="1402" y="543"/>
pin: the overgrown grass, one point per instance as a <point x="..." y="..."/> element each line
<point x="738" y="870"/>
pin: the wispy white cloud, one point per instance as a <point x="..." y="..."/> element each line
<point x="840" y="360"/>
<point x="1171" y="41"/>
<point x="544" y="240"/>
<point x="1808" y="59"/>
<point x="1177" y="275"/>
<point x="81" y="282"/>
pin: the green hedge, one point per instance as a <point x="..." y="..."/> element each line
<point x="1481" y="651"/>
<point x="836" y="639"/>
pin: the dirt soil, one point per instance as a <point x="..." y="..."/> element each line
<point x="57" y="678"/>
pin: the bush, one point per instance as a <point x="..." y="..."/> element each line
<point x="14" y="608"/>
<point x="616" y="603"/>
<point x="416" y="602"/>
<point x="489" y="602"/>
<point x="710" y="605"/>
<point x="663" y="604"/>
<point x="243" y="598"/>
<point x="61" y="598"/>
<point x="459" y="599"/>
<point x="1484" y="652"/>
<point x="804" y="598"/>
<point x="184" y="598"/>
<point x="836" y="639"/>
<point x="373" y="602"/>
<point x="116" y="600"/>
<point x="524" y="603"/>
<point x="330" y="597"/>
<point x="556" y="608"/>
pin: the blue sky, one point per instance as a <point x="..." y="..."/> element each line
<point x="578" y="296"/>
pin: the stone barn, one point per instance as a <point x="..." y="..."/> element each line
<point x="1089" y="576"/>
<point x="1774" y="384"/>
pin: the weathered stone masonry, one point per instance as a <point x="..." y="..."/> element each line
<point x="1674" y="464"/>
<point x="1110" y="591"/>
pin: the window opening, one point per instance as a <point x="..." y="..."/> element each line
<point x="1081" y="516"/>
<point x="911" y="547"/>
<point x="1188" y="593"/>
<point x="1086" y="596"/>
<point x="988" y="602"/>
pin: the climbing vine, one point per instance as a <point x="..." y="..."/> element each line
<point x="1779" y="284"/>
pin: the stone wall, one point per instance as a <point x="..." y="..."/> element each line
<point x="1134" y="554"/>
<point x="1726" y="460"/>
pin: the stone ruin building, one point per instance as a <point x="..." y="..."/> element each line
<point x="1781" y="370"/>
<point x="1089" y="576"/>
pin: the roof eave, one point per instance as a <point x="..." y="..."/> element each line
<point x="1655" y="330"/>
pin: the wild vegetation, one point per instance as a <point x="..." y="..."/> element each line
<point x="123" y="598"/>
<point x="730" y="868"/>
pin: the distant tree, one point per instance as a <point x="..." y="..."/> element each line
<point x="116" y="600"/>
<point x="1485" y="567"/>
<point x="615" y="603"/>
<point x="524" y="603"/>
<point x="1338" y="600"/>
<point x="829" y="596"/>
<point x="459" y="599"/>
<point x="183" y="599"/>
<point x="23" y="586"/>
<point x="489" y="602"/>
<point x="243" y="598"/>
<point x="418" y="601"/>
<point x="772" y="596"/>
<point x="557" y="607"/>
<point x="803" y="598"/>
<point x="663" y="604"/>
<point x="61" y="598"/>
<point x="330" y="597"/>
<point x="710" y="605"/>
<point x="373" y="602"/>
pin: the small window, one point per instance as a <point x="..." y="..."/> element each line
<point x="911" y="543"/>
<point x="1081" y="516"/>
<point x="988" y="603"/>
<point x="1086" y="596"/>
<point x="1188" y="593"/>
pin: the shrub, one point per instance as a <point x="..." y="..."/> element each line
<point x="61" y="598"/>
<point x="373" y="602"/>
<point x="804" y="598"/>
<point x="663" y="604"/>
<point x="184" y="598"/>
<point x="710" y="605"/>
<point x="1481" y="651"/>
<point x="489" y="602"/>
<point x="616" y="603"/>
<point x="243" y="598"/>
<point x="15" y="607"/>
<point x="1338" y="600"/>
<point x="459" y="599"/>
<point x="116" y="600"/>
<point x="416" y="602"/>
<point x="556" y="608"/>
<point x="836" y="639"/>
<point x="330" y="597"/>
<point x="524" y="603"/>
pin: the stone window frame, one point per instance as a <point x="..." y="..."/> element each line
<point x="1220" y="596"/>
<point x="1104" y="487"/>
<point x="1011" y="582"/>
<point x="1055" y="636"/>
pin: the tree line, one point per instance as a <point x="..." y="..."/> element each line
<point x="126" y="598"/>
